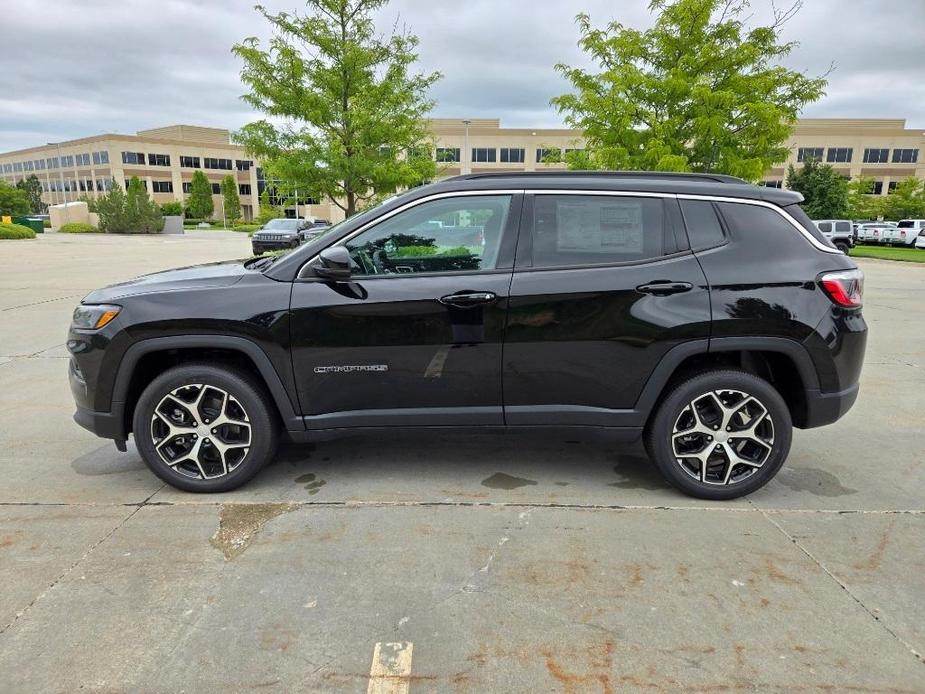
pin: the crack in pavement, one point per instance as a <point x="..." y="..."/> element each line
<point x="841" y="584"/>
<point x="22" y="613"/>
<point x="44" y="301"/>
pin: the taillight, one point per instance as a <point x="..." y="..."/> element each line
<point x="845" y="288"/>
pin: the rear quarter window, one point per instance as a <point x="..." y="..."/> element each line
<point x="804" y="221"/>
<point x="766" y="231"/>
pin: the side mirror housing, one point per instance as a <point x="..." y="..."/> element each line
<point x="335" y="263"/>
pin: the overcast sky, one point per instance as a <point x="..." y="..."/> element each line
<point x="73" y="69"/>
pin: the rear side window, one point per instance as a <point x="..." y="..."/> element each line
<point x="763" y="227"/>
<point x="703" y="227"/>
<point x="596" y="229"/>
<point x="842" y="226"/>
<point x="804" y="221"/>
<point x="825" y="227"/>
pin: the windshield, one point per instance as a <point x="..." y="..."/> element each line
<point x="283" y="224"/>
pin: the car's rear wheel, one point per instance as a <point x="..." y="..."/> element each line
<point x="843" y="247"/>
<point x="720" y="435"/>
<point x="204" y="428"/>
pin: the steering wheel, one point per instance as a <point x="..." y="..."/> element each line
<point x="369" y="268"/>
<point x="379" y="259"/>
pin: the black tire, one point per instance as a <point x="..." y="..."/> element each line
<point x="843" y="247"/>
<point x="241" y="387"/>
<point x="678" y="470"/>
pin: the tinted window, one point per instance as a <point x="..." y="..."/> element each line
<point x="703" y="227"/>
<point x="764" y="225"/>
<point x="589" y="230"/>
<point x="825" y="227"/>
<point x="906" y="224"/>
<point x="450" y="235"/>
<point x="842" y="226"/>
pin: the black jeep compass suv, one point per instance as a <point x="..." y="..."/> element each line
<point x="697" y="314"/>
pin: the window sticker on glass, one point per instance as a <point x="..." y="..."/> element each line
<point x="606" y="227"/>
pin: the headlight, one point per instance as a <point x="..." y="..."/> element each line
<point x="94" y="317"/>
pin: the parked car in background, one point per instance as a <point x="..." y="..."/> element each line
<point x="874" y="232"/>
<point x="279" y="234"/>
<point x="920" y="240"/>
<point x="840" y="232"/>
<point x="908" y="231"/>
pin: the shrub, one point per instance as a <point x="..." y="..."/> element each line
<point x="15" y="231"/>
<point x="172" y="209"/>
<point x="249" y="228"/>
<point x="77" y="228"/>
<point x="46" y="223"/>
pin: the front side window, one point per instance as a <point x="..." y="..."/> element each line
<point x="573" y="230"/>
<point x="455" y="234"/>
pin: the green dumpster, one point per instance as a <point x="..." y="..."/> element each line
<point x="35" y="224"/>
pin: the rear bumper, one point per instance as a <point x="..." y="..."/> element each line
<point x="825" y="408"/>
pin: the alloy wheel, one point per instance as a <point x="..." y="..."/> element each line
<point x="722" y="437"/>
<point x="201" y="431"/>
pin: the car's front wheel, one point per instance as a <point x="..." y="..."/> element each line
<point x="720" y="435"/>
<point x="205" y="428"/>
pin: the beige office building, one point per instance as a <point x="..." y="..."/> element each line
<point x="165" y="158"/>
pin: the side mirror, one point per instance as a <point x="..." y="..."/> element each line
<point x="335" y="263"/>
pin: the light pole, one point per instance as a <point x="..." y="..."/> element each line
<point x="467" y="160"/>
<point x="67" y="217"/>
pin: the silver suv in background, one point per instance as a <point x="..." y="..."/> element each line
<point x="840" y="232"/>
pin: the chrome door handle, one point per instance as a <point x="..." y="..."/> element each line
<point x="468" y="299"/>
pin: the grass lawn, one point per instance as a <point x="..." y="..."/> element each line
<point x="911" y="255"/>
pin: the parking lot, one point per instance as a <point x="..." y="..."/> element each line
<point x="442" y="563"/>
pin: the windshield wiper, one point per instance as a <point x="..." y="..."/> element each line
<point x="260" y="263"/>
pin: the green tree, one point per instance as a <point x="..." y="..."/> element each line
<point x="230" y="200"/>
<point x="351" y="105"/>
<point x="699" y="91"/>
<point x="200" y="196"/>
<point x="268" y="210"/>
<point x="862" y="203"/>
<point x="13" y="200"/>
<point x="826" y="192"/>
<point x="110" y="208"/>
<point x="172" y="208"/>
<point x="33" y="188"/>
<point x="907" y="200"/>
<point x="144" y="216"/>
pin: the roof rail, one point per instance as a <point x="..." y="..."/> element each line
<point x="555" y="173"/>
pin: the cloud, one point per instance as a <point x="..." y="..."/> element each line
<point x="77" y="69"/>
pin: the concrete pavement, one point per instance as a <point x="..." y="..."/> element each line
<point x="495" y="564"/>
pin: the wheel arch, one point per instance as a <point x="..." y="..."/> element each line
<point x="783" y="362"/>
<point x="144" y="360"/>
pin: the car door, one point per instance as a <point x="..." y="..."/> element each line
<point x="415" y="336"/>
<point x="604" y="286"/>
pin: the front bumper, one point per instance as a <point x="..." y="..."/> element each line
<point x="259" y="246"/>
<point x="107" y="425"/>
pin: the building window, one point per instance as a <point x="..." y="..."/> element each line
<point x="773" y="184"/>
<point x="574" y="149"/>
<point x="101" y="157"/>
<point x="447" y="154"/>
<point x="104" y="184"/>
<point x="210" y="163"/>
<point x="877" y="188"/>
<point x="484" y="154"/>
<point x="158" y="159"/>
<point x="133" y="158"/>
<point x="216" y="189"/>
<point x="67" y="160"/>
<point x="243" y="164"/>
<point x="548" y="155"/>
<point x="17" y="166"/>
<point x="27" y="165"/>
<point x="839" y="154"/>
<point x="905" y="156"/>
<point x="244" y="188"/>
<point x="187" y="187"/>
<point x="144" y="183"/>
<point x="892" y="187"/>
<point x="39" y="164"/>
<point x="162" y="186"/>
<point x="189" y="162"/>
<point x="807" y="153"/>
<point x="512" y="155"/>
<point x="7" y="168"/>
<point x="876" y="156"/>
<point x="82" y="159"/>
<point x="52" y="162"/>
